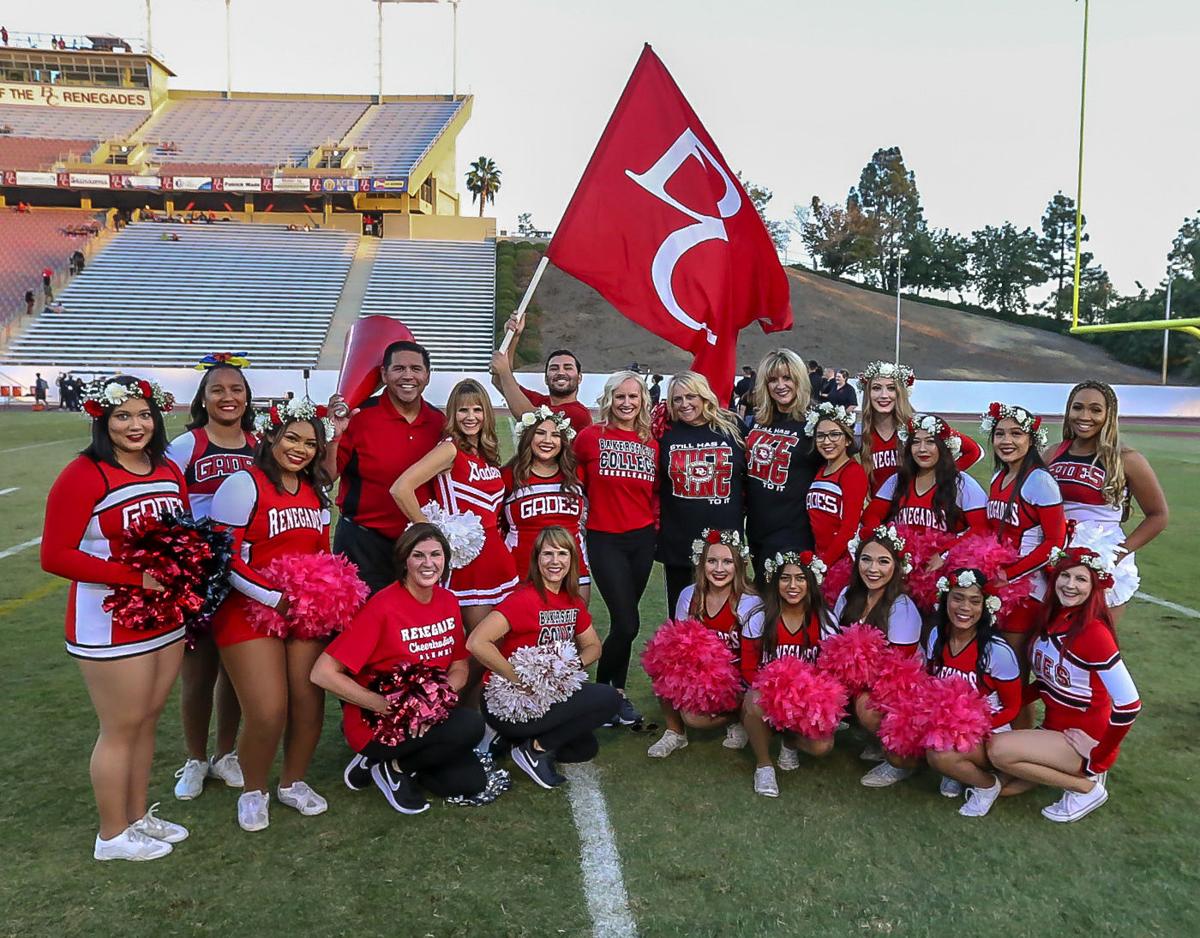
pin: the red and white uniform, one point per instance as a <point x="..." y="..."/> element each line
<point x="886" y="453"/>
<point x="904" y="621"/>
<point x="835" y="508"/>
<point x="1001" y="681"/>
<point x="205" y="465"/>
<point x="728" y="623"/>
<point x="1032" y="520"/>
<point x="619" y="472"/>
<point x="555" y="620"/>
<point x="805" y="643"/>
<point x="265" y="524"/>
<point x="542" y="503"/>
<point x="1085" y="686"/>
<point x="88" y="514"/>
<point x="475" y="485"/>
<point x="916" y="509"/>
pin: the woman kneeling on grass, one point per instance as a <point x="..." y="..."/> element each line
<point x="793" y="622"/>
<point x="964" y="643"/>
<point x="721" y="599"/>
<point x="546" y="610"/>
<point x="415" y="620"/>
<point x="1090" y="699"/>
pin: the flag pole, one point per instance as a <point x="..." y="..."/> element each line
<point x="519" y="315"/>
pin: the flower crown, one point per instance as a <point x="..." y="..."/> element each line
<point x="1024" y="419"/>
<point x="1065" y="558"/>
<point x="533" y="417"/>
<point x="213" y="359"/>
<point x="730" y="539"/>
<point x="901" y="373"/>
<point x="807" y="560"/>
<point x="826" y="411"/>
<point x="965" y="579"/>
<point x="935" y="426"/>
<point x="102" y="396"/>
<point x="298" y="408"/>
<point x="890" y="537"/>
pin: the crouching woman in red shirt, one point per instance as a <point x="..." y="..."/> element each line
<point x="547" y="610"/>
<point x="416" y="619"/>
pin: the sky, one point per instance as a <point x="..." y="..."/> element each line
<point x="981" y="97"/>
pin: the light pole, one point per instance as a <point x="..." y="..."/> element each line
<point x="1079" y="170"/>
<point x="1167" y="332"/>
<point x="899" y="267"/>
<point x="453" y="39"/>
<point x="228" y="54"/>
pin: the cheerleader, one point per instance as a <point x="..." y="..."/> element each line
<point x="618" y="458"/>
<point x="219" y="442"/>
<point x="793" y="622"/>
<point x="876" y="597"/>
<point x="547" y="610"/>
<point x="839" y="489"/>
<point x="1098" y="476"/>
<point x="415" y="620"/>
<point x="542" y="487"/>
<point x="277" y="508"/>
<point x="963" y="642"/>
<point x="721" y="598"/>
<point x="1091" y="701"/>
<point x="121" y="476"/>
<point x="465" y="469"/>
<point x="701" y="472"/>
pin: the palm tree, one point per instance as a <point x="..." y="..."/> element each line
<point x="484" y="182"/>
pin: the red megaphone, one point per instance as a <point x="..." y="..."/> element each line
<point x="365" y="343"/>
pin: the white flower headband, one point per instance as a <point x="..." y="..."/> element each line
<point x="965" y="580"/>
<point x="533" y="417"/>
<point x="889" y="536"/>
<point x="934" y="426"/>
<point x="1061" y="559"/>
<point x="730" y="539"/>
<point x="807" y="560"/>
<point x="901" y="373"/>
<point x="298" y="408"/>
<point x="1024" y="419"/>
<point x="826" y="411"/>
<point x="101" y="396"/>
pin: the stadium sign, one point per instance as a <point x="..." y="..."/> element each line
<point x="85" y="181"/>
<point x="333" y="184"/>
<point x="291" y="184"/>
<point x="192" y="183"/>
<point x="238" y="184"/>
<point x="47" y="95"/>
<point x="31" y="179"/>
<point x="386" y="184"/>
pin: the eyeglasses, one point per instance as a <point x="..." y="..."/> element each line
<point x="831" y="436"/>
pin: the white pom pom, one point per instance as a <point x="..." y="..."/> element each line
<point x="549" y="674"/>
<point x="464" y="531"/>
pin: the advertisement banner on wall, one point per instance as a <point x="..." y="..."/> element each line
<point x="32" y="179"/>
<point x="47" y="95"/>
<point x="189" y="183"/>
<point x="292" y="184"/>
<point x="237" y="184"/>
<point x="334" y="184"/>
<point x="388" y="184"/>
<point x="142" y="182"/>
<point x="88" y="180"/>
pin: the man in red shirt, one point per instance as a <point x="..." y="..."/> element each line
<point x="563" y="374"/>
<point x="371" y="448"/>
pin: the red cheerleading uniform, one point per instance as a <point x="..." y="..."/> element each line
<point x="205" y="465"/>
<point x="88" y="513"/>
<point x="618" y="469"/>
<point x="577" y="414"/>
<point x="1035" y="525"/>
<point x="541" y="503"/>
<point x="835" y="508"/>
<point x="1085" y="686"/>
<point x="394" y="628"/>
<point x="1001" y="682"/>
<point x="532" y="620"/>
<point x="1081" y="481"/>
<point x="886" y="453"/>
<point x="727" y="622"/>
<point x="916" y="509"/>
<point x="265" y="524"/>
<point x="804" y="644"/>
<point x="475" y="485"/>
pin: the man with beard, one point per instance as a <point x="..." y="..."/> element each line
<point x="563" y="374"/>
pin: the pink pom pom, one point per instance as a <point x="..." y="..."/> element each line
<point x="793" y="695"/>
<point x="323" y="592"/>
<point x="989" y="555"/>
<point x="898" y="675"/>
<point x="922" y="544"/>
<point x="691" y="668"/>
<point x="421" y="697"/>
<point x="836" y="580"/>
<point x="903" y="728"/>
<point x="852" y="656"/>
<point x="958" y="717"/>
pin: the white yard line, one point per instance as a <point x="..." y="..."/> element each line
<point x="18" y="449"/>
<point x="17" y="548"/>
<point x="603" y="884"/>
<point x="1167" y="604"/>
<point x="15" y="488"/>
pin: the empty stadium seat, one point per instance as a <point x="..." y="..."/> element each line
<point x="70" y="123"/>
<point x="30" y="241"/>
<point x="38" y="153"/>
<point x="398" y="134"/>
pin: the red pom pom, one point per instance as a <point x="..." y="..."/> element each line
<point x="923" y="544"/>
<point x="660" y="419"/>
<point x="957" y="716"/>
<point x="421" y="697"/>
<point x="797" y="697"/>
<point x="852" y="656"/>
<point x="692" y="669"/>
<point x="985" y="553"/>
<point x="902" y="730"/>
<point x="323" y="592"/>
<point x="836" y="580"/>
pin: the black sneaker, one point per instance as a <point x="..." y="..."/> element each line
<point x="539" y="766"/>
<point x="398" y="788"/>
<point x="627" y="713"/>
<point x="357" y="774"/>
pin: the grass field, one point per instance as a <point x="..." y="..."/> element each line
<point x="701" y="854"/>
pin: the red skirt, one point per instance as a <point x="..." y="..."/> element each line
<point x="489" y="577"/>
<point x="231" y="624"/>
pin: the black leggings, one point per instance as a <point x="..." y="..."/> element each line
<point x="444" y="758"/>
<point x="677" y="578"/>
<point x="620" y="566"/>
<point x="568" y="727"/>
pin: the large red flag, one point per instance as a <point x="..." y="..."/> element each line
<point x="662" y="228"/>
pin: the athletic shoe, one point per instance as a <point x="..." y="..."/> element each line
<point x="191" y="780"/>
<point x="765" y="782"/>
<point x="299" y="795"/>
<point x="130" y="844"/>
<point x="735" y="736"/>
<point x="873" y="753"/>
<point x="667" y="744"/>
<point x="398" y="788"/>
<point x="228" y="770"/>
<point x="789" y="759"/>
<point x="980" y="800"/>
<point x="1072" y="805"/>
<point x="357" y="774"/>
<point x="627" y="714"/>
<point x="153" y="826"/>
<point x="885" y="774"/>
<point x="253" y="810"/>
<point x="950" y="788"/>
<point x="539" y="766"/>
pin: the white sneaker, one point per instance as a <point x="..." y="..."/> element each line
<point x="252" y="810"/>
<point x="885" y="774"/>
<point x="300" y="796"/>
<point x="130" y="844"/>
<point x="154" y="826"/>
<point x="1072" y="805"/>
<point x="228" y="770"/>
<point x="765" y="782"/>
<point x="873" y="753"/>
<point x="735" y="736"/>
<point x="980" y="800"/>
<point x="191" y="780"/>
<point x="667" y="744"/>
<point x="789" y="758"/>
<point x="950" y="787"/>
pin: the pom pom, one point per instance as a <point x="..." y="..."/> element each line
<point x="922" y="545"/>
<point x="852" y="656"/>
<point x="549" y="674"/>
<point x="989" y="555"/>
<point x="898" y="675"/>
<point x="836" y="580"/>
<point x="956" y="717"/>
<point x="463" y="530"/>
<point x="660" y="420"/>
<point x="691" y="668"/>
<point x="323" y="592"/>
<point x="421" y="697"/>
<point x="795" y="696"/>
<point x="902" y="730"/>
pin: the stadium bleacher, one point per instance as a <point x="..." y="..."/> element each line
<point x="38" y="153"/>
<point x="30" y="241"/>
<point x="70" y="123"/>
<point x="398" y="134"/>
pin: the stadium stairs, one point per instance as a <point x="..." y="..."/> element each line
<point x="350" y="303"/>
